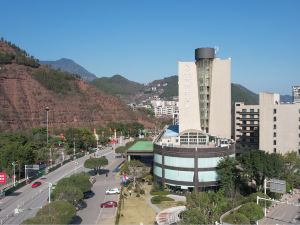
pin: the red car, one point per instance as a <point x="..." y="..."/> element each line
<point x="109" y="204"/>
<point x="36" y="184"/>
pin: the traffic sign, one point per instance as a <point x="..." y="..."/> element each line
<point x="2" y="178"/>
<point x="277" y="186"/>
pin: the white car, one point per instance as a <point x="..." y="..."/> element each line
<point x="112" y="191"/>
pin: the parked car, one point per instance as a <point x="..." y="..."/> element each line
<point x="88" y="194"/>
<point x="80" y="205"/>
<point x="109" y="204"/>
<point x="112" y="191"/>
<point x="36" y="184"/>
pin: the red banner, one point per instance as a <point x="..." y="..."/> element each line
<point x="2" y="178"/>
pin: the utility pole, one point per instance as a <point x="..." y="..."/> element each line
<point x="50" y="150"/>
<point x="14" y="176"/>
<point x="74" y="149"/>
<point x="265" y="191"/>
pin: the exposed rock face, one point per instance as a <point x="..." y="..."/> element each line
<point x="23" y="101"/>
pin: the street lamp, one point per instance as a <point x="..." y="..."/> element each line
<point x="49" y="188"/>
<point x="14" y="176"/>
<point x="47" y="110"/>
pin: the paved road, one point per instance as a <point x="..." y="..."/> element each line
<point x="284" y="213"/>
<point x="29" y="200"/>
<point x="93" y="214"/>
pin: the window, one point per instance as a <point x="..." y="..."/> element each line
<point x="274" y="118"/>
<point x="244" y="110"/>
<point x="274" y="126"/>
<point x="252" y="122"/>
<point x="238" y="104"/>
<point x="274" y="142"/>
<point x="274" y="134"/>
<point x="252" y="110"/>
<point x="274" y="111"/>
<point x="274" y="150"/>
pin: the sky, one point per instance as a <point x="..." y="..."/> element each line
<point x="143" y="40"/>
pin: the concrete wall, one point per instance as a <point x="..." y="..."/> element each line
<point x="220" y="101"/>
<point x="189" y="117"/>
<point x="287" y="124"/>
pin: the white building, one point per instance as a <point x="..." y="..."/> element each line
<point x="296" y="94"/>
<point x="164" y="108"/>
<point x="205" y="94"/>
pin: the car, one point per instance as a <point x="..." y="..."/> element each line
<point x="80" y="205"/>
<point x="109" y="204"/>
<point x="36" y="184"/>
<point x="112" y="191"/>
<point x="88" y="194"/>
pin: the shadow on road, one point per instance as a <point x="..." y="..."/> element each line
<point x="285" y="222"/>
<point x="14" y="194"/>
<point x="76" y="220"/>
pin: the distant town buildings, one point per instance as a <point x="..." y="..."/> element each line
<point x="186" y="155"/>
<point x="271" y="126"/>
<point x="164" y="108"/>
<point x="296" y="94"/>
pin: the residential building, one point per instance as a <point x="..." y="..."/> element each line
<point x="164" y="108"/>
<point x="246" y="132"/>
<point x="271" y="126"/>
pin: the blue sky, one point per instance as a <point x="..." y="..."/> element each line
<point x="143" y="40"/>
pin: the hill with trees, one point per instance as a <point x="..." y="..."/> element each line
<point x="27" y="88"/>
<point x="68" y="65"/>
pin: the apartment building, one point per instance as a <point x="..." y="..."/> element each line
<point x="270" y="126"/>
<point x="246" y="132"/>
<point x="164" y="108"/>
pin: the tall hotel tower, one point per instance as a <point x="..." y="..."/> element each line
<point x="205" y="94"/>
<point x="186" y="155"/>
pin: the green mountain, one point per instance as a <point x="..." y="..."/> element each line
<point x="118" y="85"/>
<point x="71" y="67"/>
<point x="241" y="94"/>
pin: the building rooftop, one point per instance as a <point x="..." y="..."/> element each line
<point x="142" y="146"/>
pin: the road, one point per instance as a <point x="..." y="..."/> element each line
<point x="93" y="214"/>
<point x="29" y="200"/>
<point x="284" y="213"/>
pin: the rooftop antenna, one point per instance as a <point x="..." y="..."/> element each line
<point x="216" y="50"/>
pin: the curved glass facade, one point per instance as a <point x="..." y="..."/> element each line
<point x="179" y="162"/>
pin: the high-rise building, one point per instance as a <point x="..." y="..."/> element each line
<point x="296" y="94"/>
<point x="186" y="155"/>
<point x="205" y="94"/>
<point x="271" y="126"/>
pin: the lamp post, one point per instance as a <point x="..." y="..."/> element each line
<point x="49" y="189"/>
<point x="50" y="150"/>
<point x="14" y="176"/>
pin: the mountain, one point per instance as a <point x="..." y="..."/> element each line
<point x="286" y="98"/>
<point x="168" y="85"/>
<point x="70" y="66"/>
<point x="27" y="88"/>
<point x="118" y="85"/>
<point x="241" y="94"/>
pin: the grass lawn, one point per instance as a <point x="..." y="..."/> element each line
<point x="136" y="210"/>
<point x="165" y="205"/>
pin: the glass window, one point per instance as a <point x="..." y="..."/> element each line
<point x="274" y="118"/>
<point x="274" y="134"/>
<point x="274" y="126"/>
<point x="274" y="111"/>
<point x="251" y="110"/>
<point x="274" y="142"/>
<point x="274" y="150"/>
<point x="244" y="110"/>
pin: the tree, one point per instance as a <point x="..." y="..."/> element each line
<point x="96" y="163"/>
<point x="67" y="192"/>
<point x="252" y="211"/>
<point x="291" y="169"/>
<point x="204" y="208"/>
<point x="136" y="169"/>
<point x="121" y="150"/>
<point x="236" y="218"/>
<point x="57" y="212"/>
<point x="81" y="181"/>
<point x="228" y="175"/>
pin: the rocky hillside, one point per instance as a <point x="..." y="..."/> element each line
<point x="26" y="89"/>
<point x="68" y="65"/>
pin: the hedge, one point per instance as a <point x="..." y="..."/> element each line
<point x="159" y="198"/>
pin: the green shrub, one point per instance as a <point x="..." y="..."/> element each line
<point x="236" y="218"/>
<point x="253" y="198"/>
<point x="252" y="211"/>
<point x="159" y="193"/>
<point x="138" y="195"/>
<point x="142" y="192"/>
<point x="158" y="199"/>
